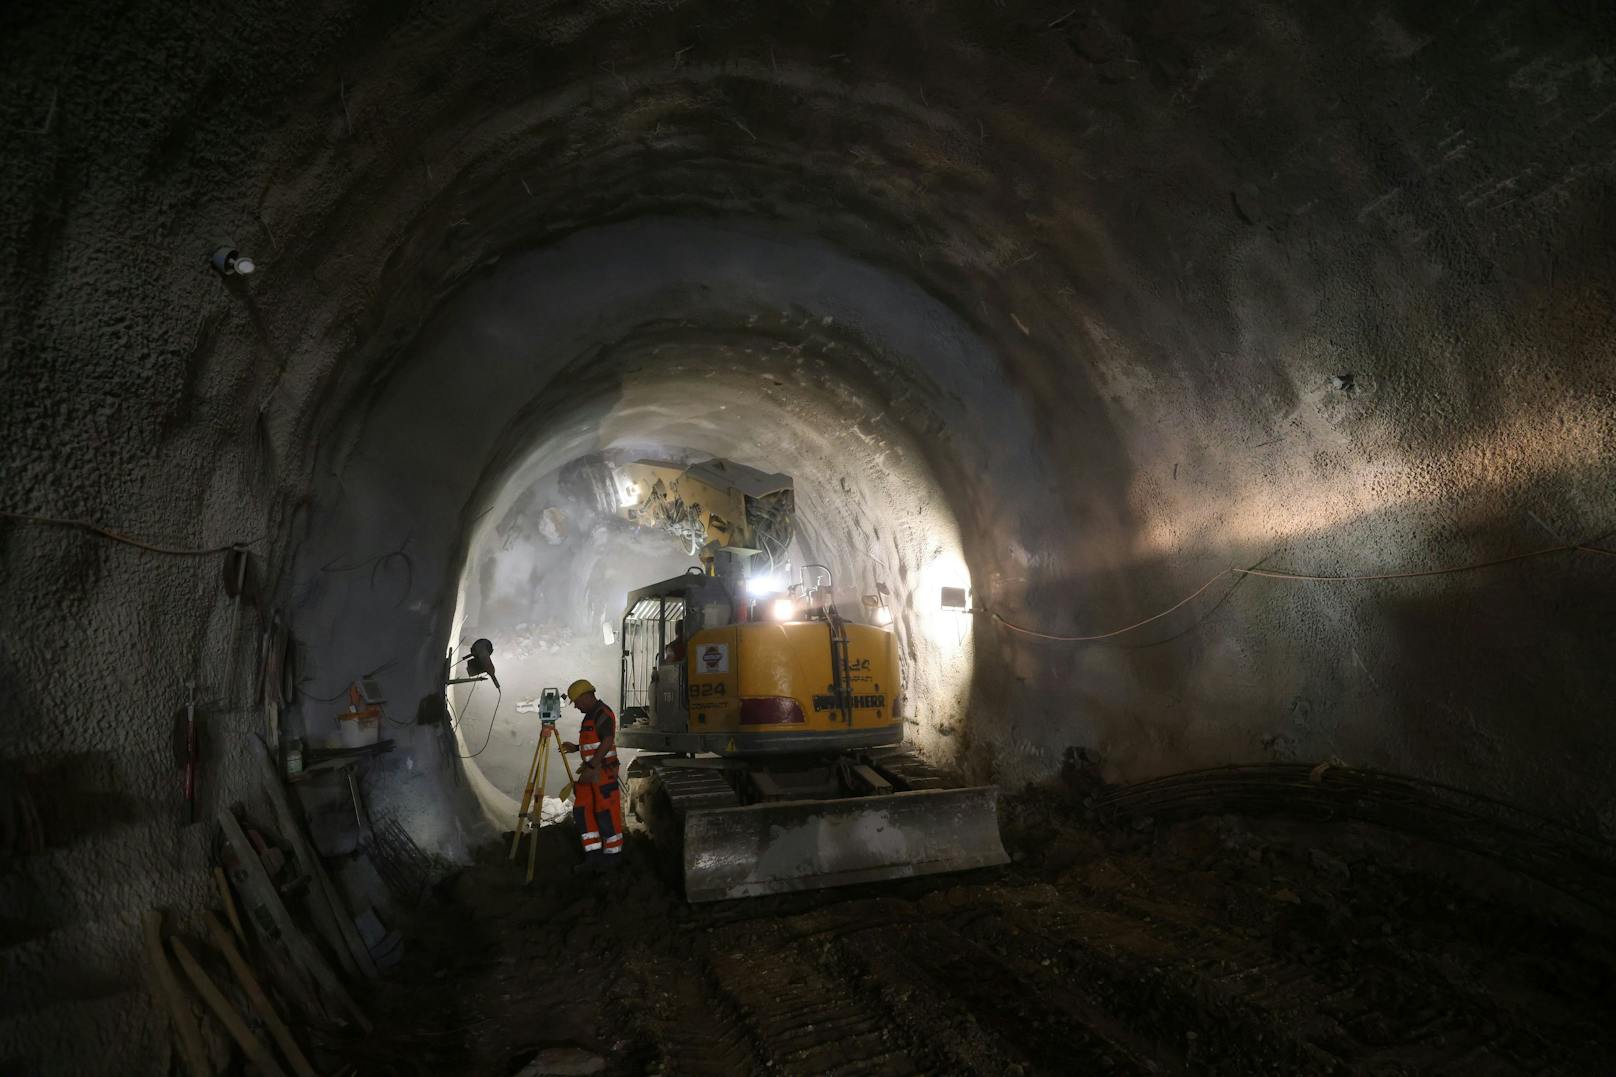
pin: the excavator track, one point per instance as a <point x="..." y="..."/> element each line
<point x="696" y="788"/>
<point x="911" y="771"/>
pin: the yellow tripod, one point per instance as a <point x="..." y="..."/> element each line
<point x="537" y="772"/>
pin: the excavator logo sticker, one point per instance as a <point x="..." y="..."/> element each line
<point x="855" y="702"/>
<point x="715" y="658"/>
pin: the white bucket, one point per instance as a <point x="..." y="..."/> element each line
<point x="358" y="732"/>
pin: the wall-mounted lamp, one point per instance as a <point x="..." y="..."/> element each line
<point x="956" y="598"/>
<point x="479" y="664"/>
<point x="231" y="262"/>
<point x="880" y="612"/>
<point x="481" y="660"/>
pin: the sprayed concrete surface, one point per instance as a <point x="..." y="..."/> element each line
<point x="1109" y="298"/>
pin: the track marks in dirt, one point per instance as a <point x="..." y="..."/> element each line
<point x="807" y="1021"/>
<point x="980" y="1010"/>
<point x="695" y="1027"/>
<point x="751" y="1001"/>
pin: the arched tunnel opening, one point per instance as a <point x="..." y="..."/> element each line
<point x="1188" y="651"/>
<point x="552" y="556"/>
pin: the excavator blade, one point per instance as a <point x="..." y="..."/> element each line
<point x="809" y="844"/>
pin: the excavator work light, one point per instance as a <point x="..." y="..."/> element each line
<point x="764" y="585"/>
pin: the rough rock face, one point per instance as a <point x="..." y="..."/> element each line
<point x="1138" y="291"/>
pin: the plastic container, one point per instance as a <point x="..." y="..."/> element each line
<point x="358" y="730"/>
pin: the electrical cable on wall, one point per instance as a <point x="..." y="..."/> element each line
<point x="341" y="693"/>
<point x="454" y="719"/>
<point x="1275" y="575"/>
<point x="118" y="536"/>
<point x="491" y="719"/>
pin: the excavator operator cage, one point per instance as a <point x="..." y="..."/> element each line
<point x="652" y="623"/>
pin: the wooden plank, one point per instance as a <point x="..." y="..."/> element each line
<point x="255" y="995"/>
<point x="174" y="1000"/>
<point x="229" y="903"/>
<point x="327" y="903"/>
<point x="256" y="1052"/>
<point x="262" y="895"/>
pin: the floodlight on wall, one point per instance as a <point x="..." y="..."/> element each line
<point x="956" y="598"/>
<point x="481" y="660"/>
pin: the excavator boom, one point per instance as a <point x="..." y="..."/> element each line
<point x="718" y="504"/>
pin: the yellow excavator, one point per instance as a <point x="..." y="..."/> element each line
<point x="769" y="726"/>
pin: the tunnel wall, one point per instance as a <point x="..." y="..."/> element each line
<point x="1172" y="225"/>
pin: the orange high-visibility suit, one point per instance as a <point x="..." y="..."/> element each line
<point x="597" y="808"/>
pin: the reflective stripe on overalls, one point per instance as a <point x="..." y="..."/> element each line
<point x="598" y="809"/>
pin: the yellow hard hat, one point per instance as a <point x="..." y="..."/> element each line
<point x="579" y="687"/>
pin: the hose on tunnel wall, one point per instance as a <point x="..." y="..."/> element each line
<point x="1273" y="575"/>
<point x="117" y="536"/>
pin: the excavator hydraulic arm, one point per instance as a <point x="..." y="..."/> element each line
<point x="713" y="505"/>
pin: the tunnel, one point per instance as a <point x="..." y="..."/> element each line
<point x="1213" y="403"/>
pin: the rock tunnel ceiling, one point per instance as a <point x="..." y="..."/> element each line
<point x="1136" y="293"/>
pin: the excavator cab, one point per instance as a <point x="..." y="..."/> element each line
<point x="655" y="635"/>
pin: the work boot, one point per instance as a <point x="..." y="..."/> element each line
<point x="588" y="867"/>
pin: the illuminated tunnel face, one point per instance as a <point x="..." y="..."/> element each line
<point x="549" y="566"/>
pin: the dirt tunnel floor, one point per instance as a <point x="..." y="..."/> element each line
<point x="1221" y="945"/>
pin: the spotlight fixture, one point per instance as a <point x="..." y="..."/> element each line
<point x="481" y="660"/>
<point x="763" y="585"/>
<point x="231" y="262"/>
<point x="880" y="612"/>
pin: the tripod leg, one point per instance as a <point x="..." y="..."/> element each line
<point x="527" y="795"/>
<point x="565" y="789"/>
<point x="538" y="815"/>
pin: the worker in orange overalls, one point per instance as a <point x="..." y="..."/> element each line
<point x="597" y="806"/>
